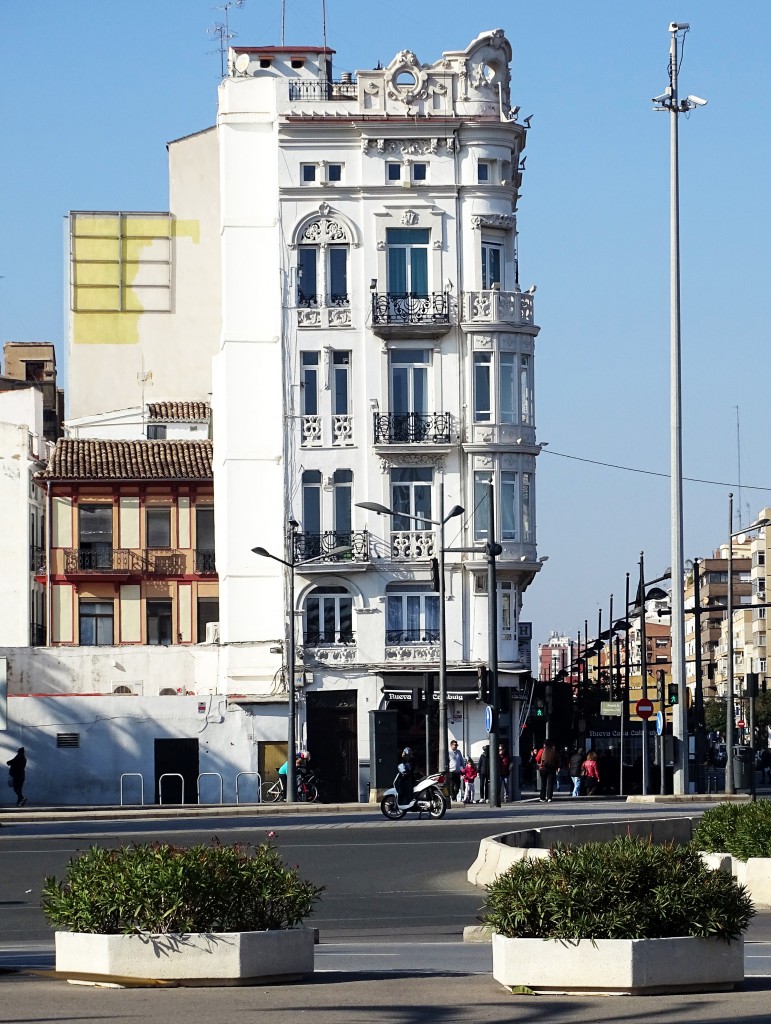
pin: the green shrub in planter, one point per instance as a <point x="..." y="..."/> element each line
<point x="627" y="889"/>
<point x="743" y="830"/>
<point x="158" y="888"/>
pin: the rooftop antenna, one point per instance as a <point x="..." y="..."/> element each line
<point x="221" y="30"/>
<point x="283" y="20"/>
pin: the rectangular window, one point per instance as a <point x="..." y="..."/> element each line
<point x="95" y="536"/>
<point x="156" y="431"/>
<point x="95" y="623"/>
<point x="208" y="611"/>
<point x="525" y="391"/>
<point x="411" y="497"/>
<point x="308" y="173"/>
<point x="309" y="383"/>
<point x="482" y="387"/>
<point x="205" y="557"/>
<point x="407" y="261"/>
<point x="334" y="173"/>
<point x="508" y="388"/>
<point x="483" y="173"/>
<point x="509" y="506"/>
<point x="412" y="618"/>
<point x="393" y="172"/>
<point x="409" y="381"/>
<point x="527" y="511"/>
<point x="311" y="497"/>
<point x="419" y="172"/>
<point x="482" y="481"/>
<point x="338" y="275"/>
<point x="307" y="260"/>
<point x="492" y="262"/>
<point x="159" y="623"/>
<point x="341" y="370"/>
<point x="342" y="482"/>
<point x="158" y="522"/>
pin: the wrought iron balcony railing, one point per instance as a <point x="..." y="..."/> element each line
<point x="37" y="560"/>
<point x="412" y="428"/>
<point x="319" y="546"/>
<point x="103" y="560"/>
<point x="411" y="310"/>
<point x="163" y="562"/>
<point x="205" y="563"/>
<point x="311" y="90"/>
<point x="330" y="638"/>
<point x="411" y="636"/>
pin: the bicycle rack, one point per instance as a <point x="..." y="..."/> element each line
<point x="169" y="775"/>
<point x="133" y="775"/>
<point x="255" y="775"/>
<point x="215" y="775"/>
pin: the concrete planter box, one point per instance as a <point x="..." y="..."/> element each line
<point x="619" y="966"/>
<point x="227" y="958"/>
<point x="754" y="874"/>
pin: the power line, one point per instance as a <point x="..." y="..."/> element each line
<point x="649" y="472"/>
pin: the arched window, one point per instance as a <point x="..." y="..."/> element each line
<point x="323" y="249"/>
<point x="328" y="617"/>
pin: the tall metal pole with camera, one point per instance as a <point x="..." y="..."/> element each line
<point x="670" y="101"/>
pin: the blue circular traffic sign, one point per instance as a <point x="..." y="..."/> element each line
<point x="659" y="723"/>
<point x="488" y="718"/>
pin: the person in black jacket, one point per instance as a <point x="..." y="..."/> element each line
<point x="17" y="767"/>
<point x="483" y="768"/>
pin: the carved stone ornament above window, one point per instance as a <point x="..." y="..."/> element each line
<point x="494" y="220"/>
<point x="324" y="232"/>
<point x="408" y="147"/>
<point x="409" y="217"/>
<point x="387" y="462"/>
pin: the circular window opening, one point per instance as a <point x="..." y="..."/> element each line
<point x="406" y="80"/>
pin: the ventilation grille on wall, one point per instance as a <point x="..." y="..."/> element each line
<point x="68" y="739"/>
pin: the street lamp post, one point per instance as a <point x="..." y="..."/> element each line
<point x="456" y="510"/>
<point x="291" y="738"/>
<point x="670" y="102"/>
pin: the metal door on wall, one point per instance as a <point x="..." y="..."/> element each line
<point x="174" y="757"/>
<point x="332" y="742"/>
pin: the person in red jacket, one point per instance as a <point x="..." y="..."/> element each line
<point x="591" y="773"/>
<point x="469" y="773"/>
<point x="504" y="764"/>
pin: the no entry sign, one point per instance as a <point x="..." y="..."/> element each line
<point x="643" y="708"/>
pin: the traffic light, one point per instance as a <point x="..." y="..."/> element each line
<point x="752" y="685"/>
<point x="435" y="574"/>
<point x="482" y="683"/>
<point x="672" y="694"/>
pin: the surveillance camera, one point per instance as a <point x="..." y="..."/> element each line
<point x="663" y="97"/>
<point x="697" y="101"/>
<point x="679" y="26"/>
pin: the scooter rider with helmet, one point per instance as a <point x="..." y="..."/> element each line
<point x="406" y="778"/>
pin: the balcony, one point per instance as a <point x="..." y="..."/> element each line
<point x="103" y="561"/>
<point x="313" y="91"/>
<point x="319" y="546"/>
<point x="512" y="309"/>
<point x="411" y="428"/>
<point x="413" y="545"/>
<point x="321" y="432"/>
<point x="37" y="560"/>
<point x="411" y="315"/>
<point x="329" y="638"/>
<point x="131" y="562"/>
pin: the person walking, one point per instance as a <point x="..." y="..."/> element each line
<point x="17" y="767"/>
<point x="591" y="773"/>
<point x="504" y="765"/>
<point x="483" y="770"/>
<point x="469" y="774"/>
<point x="574" y="766"/>
<point x="548" y="762"/>
<point x="457" y="764"/>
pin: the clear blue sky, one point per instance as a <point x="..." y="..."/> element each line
<point x="92" y="91"/>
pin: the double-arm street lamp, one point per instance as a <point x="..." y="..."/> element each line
<point x="456" y="510"/>
<point x="292" y="566"/>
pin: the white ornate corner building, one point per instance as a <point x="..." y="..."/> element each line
<point x="376" y="347"/>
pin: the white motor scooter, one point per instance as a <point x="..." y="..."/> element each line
<point x="427" y="798"/>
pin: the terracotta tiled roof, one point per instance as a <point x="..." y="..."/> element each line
<point x="129" y="460"/>
<point x="178" y="411"/>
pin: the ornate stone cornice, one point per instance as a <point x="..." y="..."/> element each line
<point x="494" y="220"/>
<point x="408" y="147"/>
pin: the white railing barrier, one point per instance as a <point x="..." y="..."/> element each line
<point x="214" y="775"/>
<point x="170" y="775"/>
<point x="255" y="775"/>
<point x="133" y="775"/>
